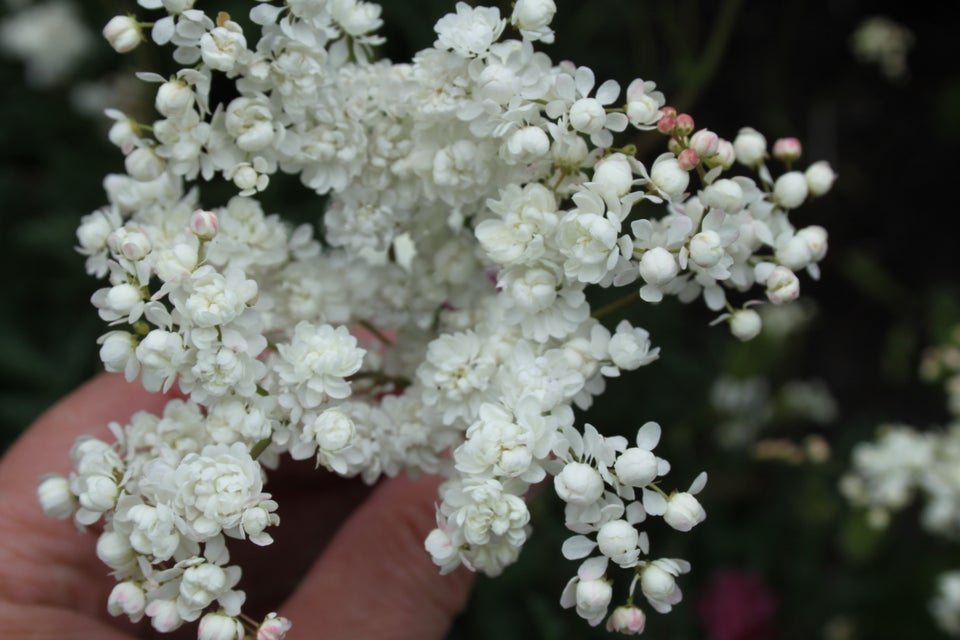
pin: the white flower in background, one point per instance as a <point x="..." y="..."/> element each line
<point x="470" y="31"/>
<point x="884" y="42"/>
<point x="49" y="37"/>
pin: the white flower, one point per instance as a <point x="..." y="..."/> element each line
<point x="658" y="583"/>
<point x="578" y="483"/>
<point x="123" y="33"/>
<point x="745" y="324"/>
<point x="470" y="31"/>
<point x="55" y="497"/>
<point x="629" y="348"/>
<point x="667" y="177"/>
<point x="643" y="104"/>
<point x="790" y="190"/>
<point x="683" y="511"/>
<point x="173" y="98"/>
<point x="532" y="18"/>
<point x="129" y="599"/>
<point x="216" y="626"/>
<point x="250" y="122"/>
<point x="782" y="285"/>
<point x="750" y="147"/>
<point x="628" y="620"/>
<point x="316" y="362"/>
<point x="723" y="194"/>
<point x="658" y="267"/>
<point x="819" y="177"/>
<point x="590" y="591"/>
<point x="223" y="46"/>
<point x="614" y="174"/>
<point x="161" y="354"/>
<point x="619" y="540"/>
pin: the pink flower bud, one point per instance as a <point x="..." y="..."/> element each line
<point x="628" y="620"/>
<point x="782" y="285"/>
<point x="705" y="142"/>
<point x="787" y="149"/>
<point x="204" y="224"/>
<point x="666" y="124"/>
<point x="273" y="627"/>
<point x="669" y="112"/>
<point x="685" y="124"/>
<point x="688" y="159"/>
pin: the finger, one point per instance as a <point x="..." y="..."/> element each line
<point x="42" y="560"/>
<point x="375" y="580"/>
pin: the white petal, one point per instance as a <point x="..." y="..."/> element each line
<point x="593" y="568"/>
<point x="699" y="483"/>
<point x="635" y="513"/>
<point x="648" y="436"/>
<point x="162" y="30"/>
<point x="654" y="503"/>
<point x="608" y="92"/>
<point x="616" y="122"/>
<point x="577" y="547"/>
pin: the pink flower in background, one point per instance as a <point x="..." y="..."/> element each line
<point x="737" y="605"/>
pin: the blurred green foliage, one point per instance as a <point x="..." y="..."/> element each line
<point x="890" y="287"/>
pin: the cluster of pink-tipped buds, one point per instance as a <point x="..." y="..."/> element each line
<point x="672" y="123"/>
<point x="688" y="159"/>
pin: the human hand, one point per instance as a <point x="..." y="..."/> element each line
<point x="347" y="561"/>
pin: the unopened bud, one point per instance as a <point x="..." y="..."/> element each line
<point x="688" y="159"/>
<point x="685" y="124"/>
<point x="705" y="142"/>
<point x="787" y="149"/>
<point x="666" y="124"/>
<point x="204" y="224"/>
<point x="123" y="33"/>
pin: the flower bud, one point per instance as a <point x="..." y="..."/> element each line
<point x="122" y="298"/>
<point x="525" y="145"/>
<point x="816" y="238"/>
<point x="144" y="164"/>
<point x="658" y="266"/>
<point x="787" y="149"/>
<point x="705" y="142"/>
<point x="123" y="134"/>
<point x="618" y="540"/>
<point x="750" y="147"/>
<point x="724" y="194"/>
<point x="204" y="224"/>
<point x="794" y="254"/>
<point x="683" y="512"/>
<point x="578" y="483"/>
<point x="99" y="493"/>
<point x="628" y="620"/>
<point x="745" y="324"/>
<point x="132" y="244"/>
<point x="593" y="598"/>
<point x="216" y="626"/>
<point x="614" y="173"/>
<point x="93" y="232"/>
<point x="116" y="350"/>
<point x="164" y="616"/>
<point x="127" y="598"/>
<point x="334" y="430"/>
<point x="587" y="115"/>
<point x="642" y="109"/>
<point x="123" y="33"/>
<point x="819" y="178"/>
<point x="669" y="177"/>
<point x="790" y="190"/>
<point x="684" y="124"/>
<point x="173" y="98"/>
<point x="533" y="14"/>
<point x="114" y="550"/>
<point x="666" y="124"/>
<point x="725" y="154"/>
<point x="56" y="499"/>
<point x="273" y="627"/>
<point x="636" y="467"/>
<point x="688" y="159"/>
<point x="659" y="586"/>
<point x="782" y="285"/>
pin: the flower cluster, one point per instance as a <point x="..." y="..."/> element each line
<point x="903" y="463"/>
<point x="442" y="325"/>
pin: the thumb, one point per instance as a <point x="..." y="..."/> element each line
<point x="374" y="579"/>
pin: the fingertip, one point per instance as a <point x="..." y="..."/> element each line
<point x="375" y="579"/>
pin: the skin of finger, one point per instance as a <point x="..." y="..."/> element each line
<point x="45" y="561"/>
<point x="375" y="579"/>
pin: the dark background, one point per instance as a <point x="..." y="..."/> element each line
<point x="889" y="289"/>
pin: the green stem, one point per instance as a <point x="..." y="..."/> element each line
<point x="616" y="305"/>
